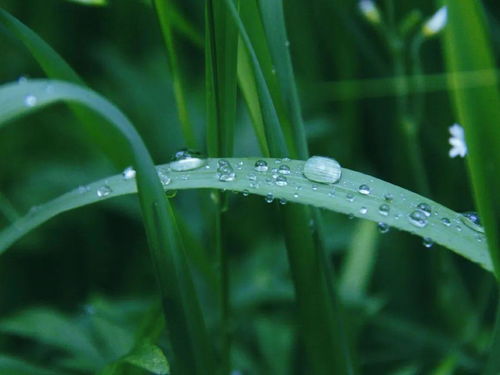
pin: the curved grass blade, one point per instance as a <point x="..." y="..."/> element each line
<point x="343" y="197"/>
<point x="163" y="10"/>
<point x="190" y="345"/>
<point x="57" y="68"/>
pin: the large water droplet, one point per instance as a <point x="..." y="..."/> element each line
<point x="472" y="220"/>
<point x="323" y="170"/>
<point x="30" y="100"/>
<point x="364" y="189"/>
<point x="384" y="209"/>
<point x="261" y="166"/>
<point x="446" y="221"/>
<point x="128" y="173"/>
<point x="425" y="209"/>
<point x="418" y="218"/>
<point x="187" y="160"/>
<point x="284" y="169"/>
<point x="281" y="181"/>
<point x="427" y="242"/>
<point x="383" y="227"/>
<point x="225" y="172"/>
<point x="164" y="177"/>
<point x="104" y="191"/>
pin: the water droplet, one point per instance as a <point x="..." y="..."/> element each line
<point x="261" y="166"/>
<point x="187" y="160"/>
<point x="104" y="191"/>
<point x="472" y="220"/>
<point x="295" y="195"/>
<point x="269" y="197"/>
<point x="83" y="189"/>
<point x="170" y="193"/>
<point x="22" y="79"/>
<point x="384" y="209"/>
<point x="245" y="193"/>
<point x="383" y="227"/>
<point x="363" y="210"/>
<point x="446" y="221"/>
<point x="239" y="165"/>
<point x="273" y="71"/>
<point x="458" y="228"/>
<point x="283" y="201"/>
<point x="425" y="209"/>
<point x="314" y="187"/>
<point x="128" y="173"/>
<point x="418" y="218"/>
<point x="350" y="197"/>
<point x="252" y="177"/>
<point x="281" y="181"/>
<point x="164" y="177"/>
<point x="284" y="169"/>
<point x="30" y="100"/>
<point x="364" y="189"/>
<point x="331" y="193"/>
<point x="323" y="170"/>
<point x="388" y="197"/>
<point x="225" y="172"/>
<point x="427" y="242"/>
<point x="287" y="43"/>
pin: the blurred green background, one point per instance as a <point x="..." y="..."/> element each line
<point x="424" y="310"/>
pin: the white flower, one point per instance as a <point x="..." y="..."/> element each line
<point x="457" y="141"/>
<point x="436" y="23"/>
<point x="369" y="10"/>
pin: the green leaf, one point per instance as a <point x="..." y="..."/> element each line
<point x="90" y="2"/>
<point x="150" y="358"/>
<point x="190" y="344"/>
<point x="16" y="366"/>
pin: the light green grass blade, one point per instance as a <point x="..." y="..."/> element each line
<point x="456" y="236"/>
<point x="468" y="49"/>
<point x="163" y="11"/>
<point x="57" y="68"/>
<point x="274" y="25"/>
<point x="191" y="350"/>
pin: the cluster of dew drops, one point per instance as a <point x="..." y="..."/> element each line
<point x="318" y="170"/>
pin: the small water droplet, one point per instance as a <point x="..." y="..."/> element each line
<point x="350" y="197"/>
<point x="364" y="189"/>
<point x="164" y="177"/>
<point x="261" y="166"/>
<point x="252" y="177"/>
<point x="388" y="197"/>
<point x="363" y="210"/>
<point x="128" y="173"/>
<point x="418" y="218"/>
<point x="30" y="100"/>
<point x="314" y="187"/>
<point x="427" y="242"/>
<point x="170" y="193"/>
<point x="384" y="209"/>
<point x="295" y="195"/>
<point x="425" y="209"/>
<point x="239" y="165"/>
<point x="245" y="193"/>
<point x="104" y="191"/>
<point x="225" y="173"/>
<point x="458" y="228"/>
<point x="446" y="221"/>
<point x="273" y="71"/>
<point x="472" y="220"/>
<point x="269" y="197"/>
<point x="284" y="169"/>
<point x="22" y="79"/>
<point x="187" y="160"/>
<point x="383" y="227"/>
<point x="83" y="189"/>
<point x="331" y="193"/>
<point x="283" y="201"/>
<point x="323" y="170"/>
<point x="281" y="181"/>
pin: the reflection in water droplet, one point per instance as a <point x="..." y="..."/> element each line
<point x="323" y="170"/>
<point x="284" y="169"/>
<point x="261" y="166"/>
<point x="364" y="189"/>
<point x="446" y="221"/>
<point x="425" y="209"/>
<point x="383" y="227"/>
<point x="418" y="218"/>
<point x="281" y="181"/>
<point x="427" y="242"/>
<point x="104" y="191"/>
<point x="269" y="197"/>
<point x="187" y="160"/>
<point x="30" y="100"/>
<point x="472" y="220"/>
<point x="384" y="209"/>
<point x="128" y="173"/>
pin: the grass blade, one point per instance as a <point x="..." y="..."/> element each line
<point x="57" y="68"/>
<point x="163" y="11"/>
<point x="190" y="345"/>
